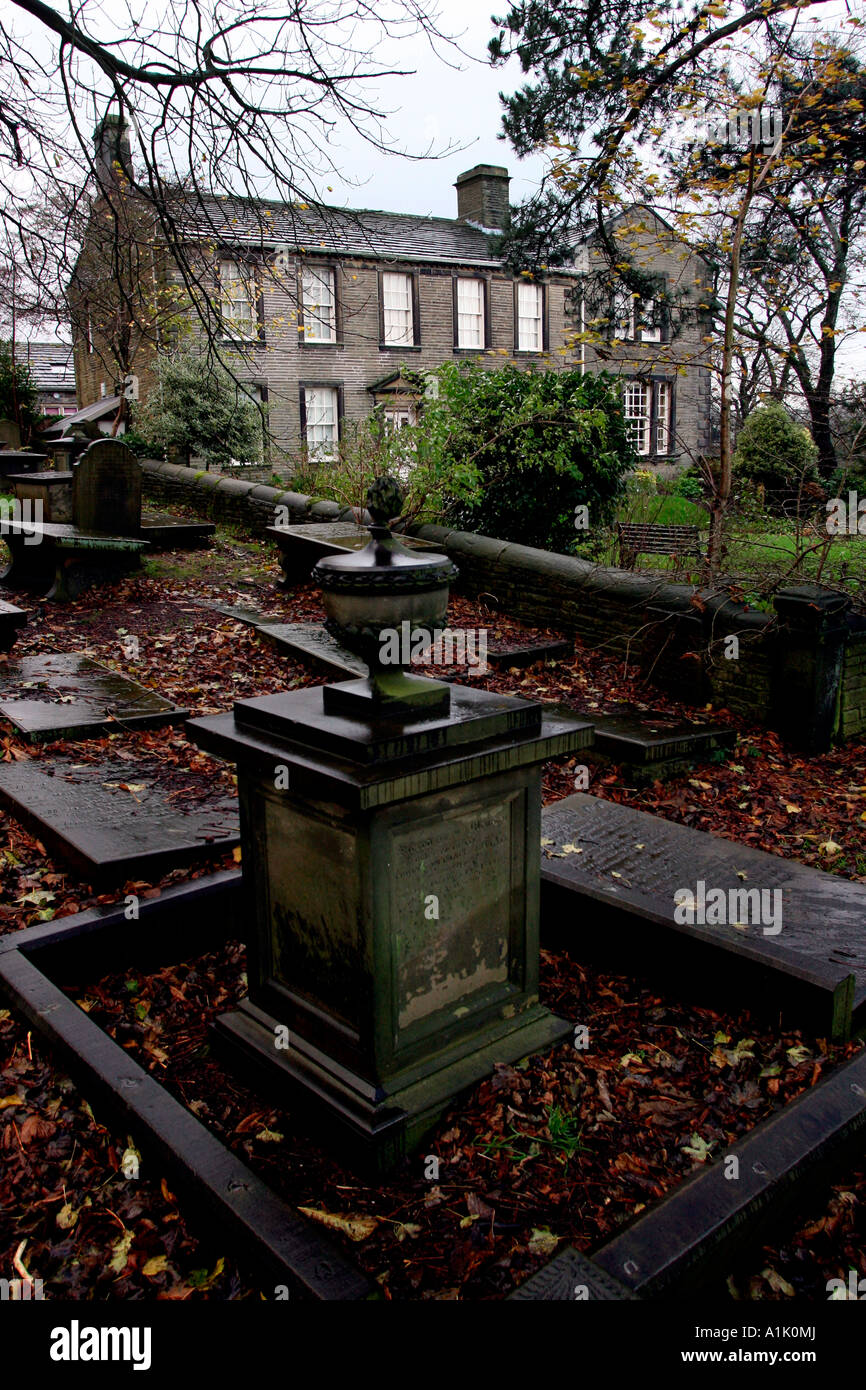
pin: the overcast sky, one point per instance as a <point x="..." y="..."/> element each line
<point x="446" y="104"/>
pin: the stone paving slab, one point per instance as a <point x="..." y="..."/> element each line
<point x="312" y="645"/>
<point x="71" y="696"/>
<point x="610" y="865"/>
<point x="164" y="532"/>
<point x="642" y="737"/>
<point x="111" y="821"/>
<point x="571" y="1277"/>
<point x="522" y="654"/>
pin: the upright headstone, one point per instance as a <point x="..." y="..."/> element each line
<point x="10" y="435"/>
<point x="106" y="493"/>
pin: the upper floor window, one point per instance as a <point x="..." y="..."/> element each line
<point x="470" y="314"/>
<point x="530" y="317"/>
<point x="237" y="299"/>
<point x="634" y="319"/>
<point x="319" y="304"/>
<point x="398" y="319"/>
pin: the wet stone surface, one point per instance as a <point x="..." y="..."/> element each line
<point x="638" y="862"/>
<point x="113" y="819"/>
<point x="69" y="696"/>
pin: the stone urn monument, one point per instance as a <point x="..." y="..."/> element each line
<point x="391" y="844"/>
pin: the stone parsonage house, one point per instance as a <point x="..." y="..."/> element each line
<point x="319" y="309"/>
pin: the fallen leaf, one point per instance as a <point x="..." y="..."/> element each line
<point x="355" y="1227"/>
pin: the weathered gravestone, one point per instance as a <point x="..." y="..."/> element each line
<point x="69" y="696"/>
<point x="10" y="435"/>
<point x="106" y="490"/>
<point x="391" y="830"/>
<point x="111" y="829"/>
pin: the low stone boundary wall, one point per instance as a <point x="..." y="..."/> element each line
<point x="240" y="502"/>
<point x="800" y="669"/>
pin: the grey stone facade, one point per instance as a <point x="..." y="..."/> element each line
<point x="276" y="248"/>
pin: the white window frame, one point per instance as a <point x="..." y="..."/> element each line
<point x="663" y="417"/>
<point x="530" y="317"/>
<point x="471" y="314"/>
<point x="319" y="304"/>
<point x="649" y="332"/>
<point x="400" y="415"/>
<point x="238" y="293"/>
<point x="623" y="314"/>
<point x="398" y="315"/>
<point x="637" y="408"/>
<point x="322" y="422"/>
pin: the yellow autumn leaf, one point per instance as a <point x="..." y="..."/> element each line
<point x="355" y="1227"/>
<point x="10" y="1100"/>
<point x="542" y="1242"/>
<point x="120" y="1252"/>
<point x="156" y="1265"/>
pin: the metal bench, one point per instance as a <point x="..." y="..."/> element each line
<point x="644" y="538"/>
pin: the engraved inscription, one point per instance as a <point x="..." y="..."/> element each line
<point x="444" y="953"/>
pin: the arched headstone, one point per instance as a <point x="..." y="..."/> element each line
<point x="107" y="490"/>
<point x="10" y="435"/>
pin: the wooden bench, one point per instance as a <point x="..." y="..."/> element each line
<point x="644" y="538"/>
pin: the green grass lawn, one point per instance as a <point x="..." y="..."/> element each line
<point x="761" y="550"/>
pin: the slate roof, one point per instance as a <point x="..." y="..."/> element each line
<point x="51" y="364"/>
<point x="386" y="236"/>
<point x="99" y="410"/>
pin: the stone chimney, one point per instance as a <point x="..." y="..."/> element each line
<point x="112" y="150"/>
<point x="482" y="196"/>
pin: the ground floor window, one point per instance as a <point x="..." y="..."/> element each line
<point x="321" y="422"/>
<point x="648" y="407"/>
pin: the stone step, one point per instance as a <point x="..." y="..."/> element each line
<point x="609" y="878"/>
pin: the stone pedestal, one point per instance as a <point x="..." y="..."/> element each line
<point x="810" y="655"/>
<point x="392" y="873"/>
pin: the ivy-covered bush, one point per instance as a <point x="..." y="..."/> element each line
<point x="199" y="409"/>
<point x="511" y="453"/>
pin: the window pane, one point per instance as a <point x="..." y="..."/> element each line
<point x="530" y="300"/>
<point x="320" y="403"/>
<point x="397" y="310"/>
<point x="623" y="314"/>
<point x="636" y="401"/>
<point x="663" y="417"/>
<point x="470" y="313"/>
<point x="319" y="301"/>
<point x="650" y="330"/>
<point x="237" y="294"/>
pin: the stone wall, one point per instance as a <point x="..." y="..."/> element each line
<point x="852" y="700"/>
<point x="681" y="639"/>
<point x="237" y="501"/>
